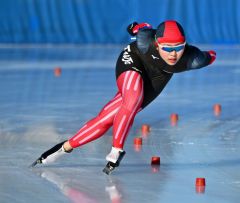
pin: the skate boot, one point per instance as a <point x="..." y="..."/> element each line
<point x="114" y="158"/>
<point x="51" y="155"/>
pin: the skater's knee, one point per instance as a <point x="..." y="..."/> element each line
<point x="133" y="102"/>
<point x="104" y="120"/>
<point x="132" y="105"/>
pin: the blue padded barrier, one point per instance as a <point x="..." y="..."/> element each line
<point x="105" y="21"/>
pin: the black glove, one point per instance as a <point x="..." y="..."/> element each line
<point x="134" y="27"/>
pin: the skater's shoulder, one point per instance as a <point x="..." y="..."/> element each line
<point x="145" y="39"/>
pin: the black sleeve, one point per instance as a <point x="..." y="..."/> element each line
<point x="144" y="39"/>
<point x="197" y="58"/>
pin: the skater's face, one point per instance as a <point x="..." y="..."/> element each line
<point x="171" y="52"/>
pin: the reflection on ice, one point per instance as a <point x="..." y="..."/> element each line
<point x="77" y="193"/>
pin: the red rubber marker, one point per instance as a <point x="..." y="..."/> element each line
<point x="57" y="71"/>
<point x="217" y="108"/>
<point x="155" y="160"/>
<point x="137" y="141"/>
<point x="145" y="129"/>
<point x="174" y="117"/>
<point x="200" y="182"/>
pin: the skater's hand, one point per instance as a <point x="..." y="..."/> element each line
<point x="134" y="27"/>
<point x="213" y="56"/>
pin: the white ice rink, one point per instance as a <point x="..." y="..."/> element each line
<point x="38" y="110"/>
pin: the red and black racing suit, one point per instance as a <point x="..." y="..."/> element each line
<point x="141" y="75"/>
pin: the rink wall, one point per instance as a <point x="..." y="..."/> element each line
<point x="105" y="21"/>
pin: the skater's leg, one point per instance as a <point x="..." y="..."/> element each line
<point x="89" y="132"/>
<point x="96" y="127"/>
<point x="132" y="95"/>
<point x="130" y="84"/>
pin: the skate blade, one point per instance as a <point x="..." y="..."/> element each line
<point x="38" y="161"/>
<point x="108" y="169"/>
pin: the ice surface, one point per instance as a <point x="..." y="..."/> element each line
<point x="38" y="110"/>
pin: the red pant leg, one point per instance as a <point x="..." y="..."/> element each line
<point x="97" y="126"/>
<point x="130" y="84"/>
<point x="120" y="111"/>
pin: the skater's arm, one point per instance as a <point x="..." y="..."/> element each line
<point x="199" y="59"/>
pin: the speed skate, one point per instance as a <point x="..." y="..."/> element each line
<point x="51" y="155"/>
<point x="111" y="165"/>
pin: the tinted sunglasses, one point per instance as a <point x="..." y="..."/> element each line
<point x="172" y="48"/>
